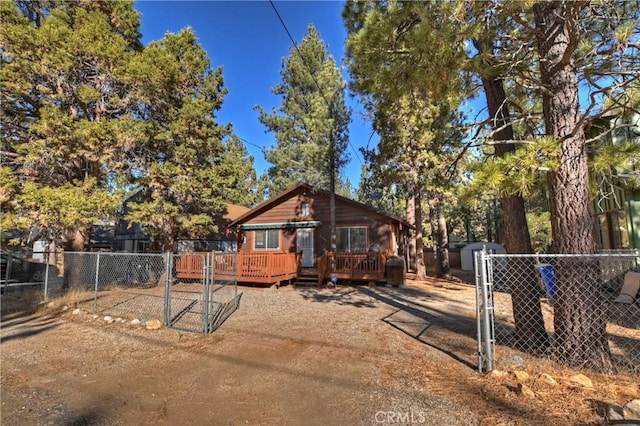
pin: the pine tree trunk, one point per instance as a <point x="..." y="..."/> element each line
<point x="440" y="237"/>
<point x="579" y="319"/>
<point x="76" y="266"/>
<point x="442" y="251"/>
<point x="421" y="268"/>
<point x="531" y="334"/>
<point x="411" y="218"/>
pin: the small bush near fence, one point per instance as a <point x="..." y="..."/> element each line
<point x="573" y="308"/>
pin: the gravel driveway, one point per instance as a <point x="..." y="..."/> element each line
<point x="288" y="356"/>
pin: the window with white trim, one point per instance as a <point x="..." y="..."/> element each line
<point x="351" y="239"/>
<point x="266" y="239"/>
<point x="305" y="210"/>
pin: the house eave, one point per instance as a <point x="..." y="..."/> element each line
<point x="280" y="225"/>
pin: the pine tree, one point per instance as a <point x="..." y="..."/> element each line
<point x="310" y="126"/>
<point x="88" y="114"/>
<point x="63" y="95"/>
<point x="181" y="164"/>
<point x="414" y="118"/>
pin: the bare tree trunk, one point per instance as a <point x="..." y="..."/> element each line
<point x="411" y="218"/>
<point x="75" y="266"/>
<point x="440" y="237"/>
<point x="75" y="239"/>
<point x="579" y="319"/>
<point x="421" y="268"/>
<point x="531" y="333"/>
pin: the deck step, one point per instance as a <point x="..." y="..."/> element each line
<point x="306" y="280"/>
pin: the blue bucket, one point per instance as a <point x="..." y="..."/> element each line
<point x="548" y="278"/>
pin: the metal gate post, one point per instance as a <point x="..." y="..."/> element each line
<point x="480" y="307"/>
<point x="205" y="295"/>
<point x="95" y="290"/>
<point x="168" y="271"/>
<point x="46" y="275"/>
<point x="487" y="301"/>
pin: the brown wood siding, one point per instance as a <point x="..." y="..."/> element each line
<point x="289" y="210"/>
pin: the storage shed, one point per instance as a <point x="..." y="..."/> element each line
<point x="468" y="253"/>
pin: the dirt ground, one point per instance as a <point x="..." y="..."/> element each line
<point x="289" y="356"/>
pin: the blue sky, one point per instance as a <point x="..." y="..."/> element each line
<point x="248" y="41"/>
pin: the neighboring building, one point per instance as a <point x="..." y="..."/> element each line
<point x="617" y="205"/>
<point x="129" y="237"/>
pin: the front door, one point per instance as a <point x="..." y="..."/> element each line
<point x="304" y="243"/>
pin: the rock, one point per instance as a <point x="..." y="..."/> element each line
<point x="95" y="316"/>
<point x="65" y="308"/>
<point x="631" y="410"/>
<point x="498" y="373"/>
<point x="582" y="380"/>
<point x="524" y="390"/>
<point x="135" y="322"/>
<point x="520" y="375"/>
<point x="153" y="324"/>
<point x="77" y="311"/>
<point x="108" y="319"/>
<point x="548" y="379"/>
<point x="511" y="362"/>
<point x="613" y="412"/>
<point x="51" y="305"/>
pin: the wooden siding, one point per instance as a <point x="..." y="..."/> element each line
<point x="379" y="227"/>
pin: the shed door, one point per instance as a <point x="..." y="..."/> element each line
<point x="304" y="243"/>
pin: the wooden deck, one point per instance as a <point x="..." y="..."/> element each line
<point x="357" y="266"/>
<point x="264" y="268"/>
<point x="272" y="268"/>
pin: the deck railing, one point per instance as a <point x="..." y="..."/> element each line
<point x="272" y="267"/>
<point x="268" y="267"/>
<point x="367" y="266"/>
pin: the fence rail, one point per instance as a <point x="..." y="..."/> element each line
<point x="580" y="310"/>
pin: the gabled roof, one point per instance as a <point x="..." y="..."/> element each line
<point x="234" y="211"/>
<point x="265" y="205"/>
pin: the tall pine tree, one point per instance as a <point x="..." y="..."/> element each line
<point x="183" y="159"/>
<point x="64" y="93"/>
<point x="311" y="124"/>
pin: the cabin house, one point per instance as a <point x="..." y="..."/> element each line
<point x="288" y="237"/>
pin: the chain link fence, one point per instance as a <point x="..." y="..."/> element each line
<point x="580" y="310"/>
<point x="180" y="290"/>
<point x="20" y="268"/>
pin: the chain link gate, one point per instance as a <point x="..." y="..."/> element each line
<point x="520" y="296"/>
<point x="198" y="298"/>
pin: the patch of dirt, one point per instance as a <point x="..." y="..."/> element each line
<point x="306" y="355"/>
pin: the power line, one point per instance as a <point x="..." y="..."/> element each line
<point x="251" y="143"/>
<point x="306" y="64"/>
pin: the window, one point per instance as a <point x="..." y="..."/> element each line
<point x="266" y="239"/>
<point x="305" y="211"/>
<point x="351" y="239"/>
<point x="611" y="223"/>
<point x="611" y="230"/>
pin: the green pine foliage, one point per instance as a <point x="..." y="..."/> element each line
<point x="89" y="113"/>
<point x="310" y="125"/>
